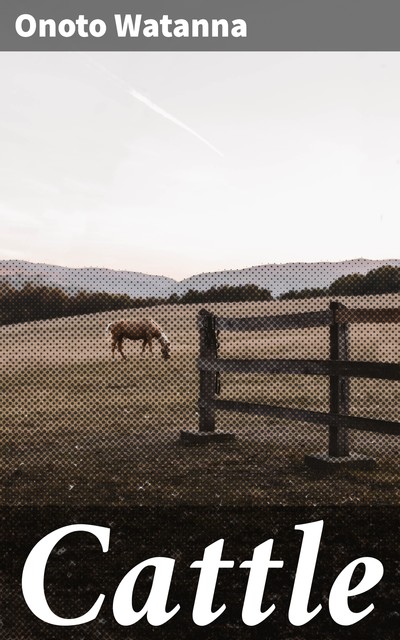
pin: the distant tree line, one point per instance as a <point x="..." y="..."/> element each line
<point x="40" y="302"/>
<point x="225" y="293"/>
<point x="378" y="281"/>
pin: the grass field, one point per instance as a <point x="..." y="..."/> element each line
<point x="80" y="429"/>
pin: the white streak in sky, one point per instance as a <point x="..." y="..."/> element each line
<point x="168" y="116"/>
<point x="154" y="107"/>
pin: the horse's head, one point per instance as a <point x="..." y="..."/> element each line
<point x="165" y="350"/>
<point x="165" y="347"/>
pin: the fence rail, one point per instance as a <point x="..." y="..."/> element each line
<point x="374" y="370"/>
<point x="309" y="319"/>
<point x="366" y="316"/>
<point x="339" y="368"/>
<point x="284" y="321"/>
<point x="305" y="415"/>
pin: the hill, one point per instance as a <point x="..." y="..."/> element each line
<point x="92" y="279"/>
<point x="278" y="278"/>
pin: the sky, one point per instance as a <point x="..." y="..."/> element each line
<point x="180" y="163"/>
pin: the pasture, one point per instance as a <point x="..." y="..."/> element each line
<point x="78" y="428"/>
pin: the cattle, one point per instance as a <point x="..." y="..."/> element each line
<point x="146" y="330"/>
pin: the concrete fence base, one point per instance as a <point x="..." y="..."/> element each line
<point x="205" y="437"/>
<point x="324" y="462"/>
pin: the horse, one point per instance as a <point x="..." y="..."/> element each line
<point x="146" y="330"/>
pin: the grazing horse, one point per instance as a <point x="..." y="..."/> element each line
<point x="145" y="330"/>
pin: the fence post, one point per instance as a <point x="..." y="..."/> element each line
<point x="209" y="386"/>
<point x="339" y="386"/>
<point x="208" y="379"/>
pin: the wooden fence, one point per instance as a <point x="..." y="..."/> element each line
<point x="339" y="369"/>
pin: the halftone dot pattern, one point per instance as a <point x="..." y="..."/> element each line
<point x="82" y="428"/>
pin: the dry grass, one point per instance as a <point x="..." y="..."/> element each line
<point x="78" y="428"/>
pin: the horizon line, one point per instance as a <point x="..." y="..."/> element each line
<point x="157" y="275"/>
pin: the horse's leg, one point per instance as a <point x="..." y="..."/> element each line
<point x="119" y="343"/>
<point x="147" y="340"/>
<point x="144" y="346"/>
<point x="113" y="345"/>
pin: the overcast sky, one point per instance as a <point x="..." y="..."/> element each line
<point x="177" y="163"/>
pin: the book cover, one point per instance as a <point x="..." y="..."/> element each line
<point x="199" y="319"/>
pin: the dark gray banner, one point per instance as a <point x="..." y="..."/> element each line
<point x="200" y="25"/>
